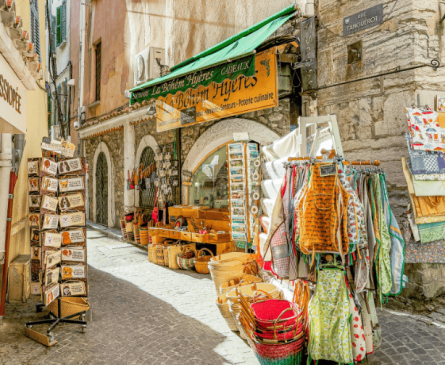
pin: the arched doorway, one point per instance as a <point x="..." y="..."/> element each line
<point x="147" y="196"/>
<point x="102" y="190"/>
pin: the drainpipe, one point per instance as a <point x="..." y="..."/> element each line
<point x="82" y="45"/>
<point x="7" y="177"/>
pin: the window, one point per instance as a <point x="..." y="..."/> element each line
<point x="35" y="27"/>
<point x="209" y="181"/>
<point x="61" y="23"/>
<point x="98" y="69"/>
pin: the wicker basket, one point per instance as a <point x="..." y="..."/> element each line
<point x="143" y="231"/>
<point x="184" y="263"/>
<point x="224" y="272"/>
<point x="166" y="255"/>
<point x="223" y="306"/>
<point x="152" y="253"/>
<point x="160" y="255"/>
<point x="201" y="262"/>
<point x="246" y="279"/>
<point x="173" y="251"/>
<point x="232" y="257"/>
<point x="136" y="232"/>
<point x="69" y="306"/>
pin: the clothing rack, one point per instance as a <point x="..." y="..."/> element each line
<point x="353" y="163"/>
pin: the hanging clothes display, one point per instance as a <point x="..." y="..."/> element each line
<point x="332" y="217"/>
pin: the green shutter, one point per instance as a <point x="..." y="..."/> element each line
<point x="64" y="20"/>
<point x="59" y="26"/>
<point x="53" y="33"/>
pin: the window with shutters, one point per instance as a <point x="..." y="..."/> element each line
<point x="59" y="26"/>
<point x="98" y="69"/>
<point x="59" y="92"/>
<point x="35" y="27"/>
<point x="61" y="23"/>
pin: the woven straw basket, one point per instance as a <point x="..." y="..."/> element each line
<point x="201" y="262"/>
<point x="69" y="305"/>
<point x="246" y="279"/>
<point x="226" y="267"/>
<point x="223" y="306"/>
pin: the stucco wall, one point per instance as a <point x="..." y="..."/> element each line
<point x="182" y="28"/>
<point x="36" y="128"/>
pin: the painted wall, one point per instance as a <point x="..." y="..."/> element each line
<point x="36" y="129"/>
<point x="182" y="28"/>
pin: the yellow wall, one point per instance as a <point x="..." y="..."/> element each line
<point x="36" y="128"/>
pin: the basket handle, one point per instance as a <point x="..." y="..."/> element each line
<point x="204" y="249"/>
<point x="255" y="296"/>
<point x="276" y="321"/>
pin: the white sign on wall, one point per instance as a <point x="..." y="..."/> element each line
<point x="12" y="101"/>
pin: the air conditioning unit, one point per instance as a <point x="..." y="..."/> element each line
<point x="146" y="66"/>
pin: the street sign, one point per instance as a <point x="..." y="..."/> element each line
<point x="363" y="20"/>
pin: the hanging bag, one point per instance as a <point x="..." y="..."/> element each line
<point x="154" y="215"/>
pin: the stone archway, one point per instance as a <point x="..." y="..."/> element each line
<point x="221" y="133"/>
<point x="102" y="147"/>
<point x="146" y="141"/>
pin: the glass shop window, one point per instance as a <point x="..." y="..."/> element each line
<point x="210" y="181"/>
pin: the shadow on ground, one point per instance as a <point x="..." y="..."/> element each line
<point x="129" y="326"/>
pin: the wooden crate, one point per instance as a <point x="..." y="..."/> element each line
<point x="153" y="231"/>
<point x="186" y="236"/>
<point x="157" y="239"/>
<point x="219" y="237"/>
<point x="200" y="238"/>
<point x="215" y="214"/>
<point x="216" y="225"/>
<point x="176" y="235"/>
<point x="223" y="247"/>
<point x="19" y="279"/>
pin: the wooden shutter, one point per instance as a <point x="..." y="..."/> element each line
<point x="35" y="27"/>
<point x="59" y="26"/>
<point x="53" y="32"/>
<point x="64" y="21"/>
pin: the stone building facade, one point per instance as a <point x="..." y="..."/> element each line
<point x="122" y="132"/>
<point x="369" y="94"/>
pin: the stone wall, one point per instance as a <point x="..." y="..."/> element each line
<point x="369" y="98"/>
<point x="115" y="144"/>
<point x="277" y="119"/>
<point x="149" y="128"/>
<point x="370" y="111"/>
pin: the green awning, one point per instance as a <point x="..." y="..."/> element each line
<point x="238" y="46"/>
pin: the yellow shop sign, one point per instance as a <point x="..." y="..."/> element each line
<point x="221" y="100"/>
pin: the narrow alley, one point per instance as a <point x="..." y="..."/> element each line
<point x="143" y="313"/>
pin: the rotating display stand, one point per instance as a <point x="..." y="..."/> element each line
<point x="55" y="317"/>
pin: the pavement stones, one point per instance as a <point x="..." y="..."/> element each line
<point x="146" y="314"/>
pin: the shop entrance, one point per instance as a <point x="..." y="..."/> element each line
<point x="102" y="190"/>
<point x="147" y="196"/>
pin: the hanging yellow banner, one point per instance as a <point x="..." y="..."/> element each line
<point x="228" y="98"/>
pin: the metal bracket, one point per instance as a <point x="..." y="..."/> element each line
<point x="8" y="219"/>
<point x="10" y="196"/>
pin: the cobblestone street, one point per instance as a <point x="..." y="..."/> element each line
<point x="147" y="314"/>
